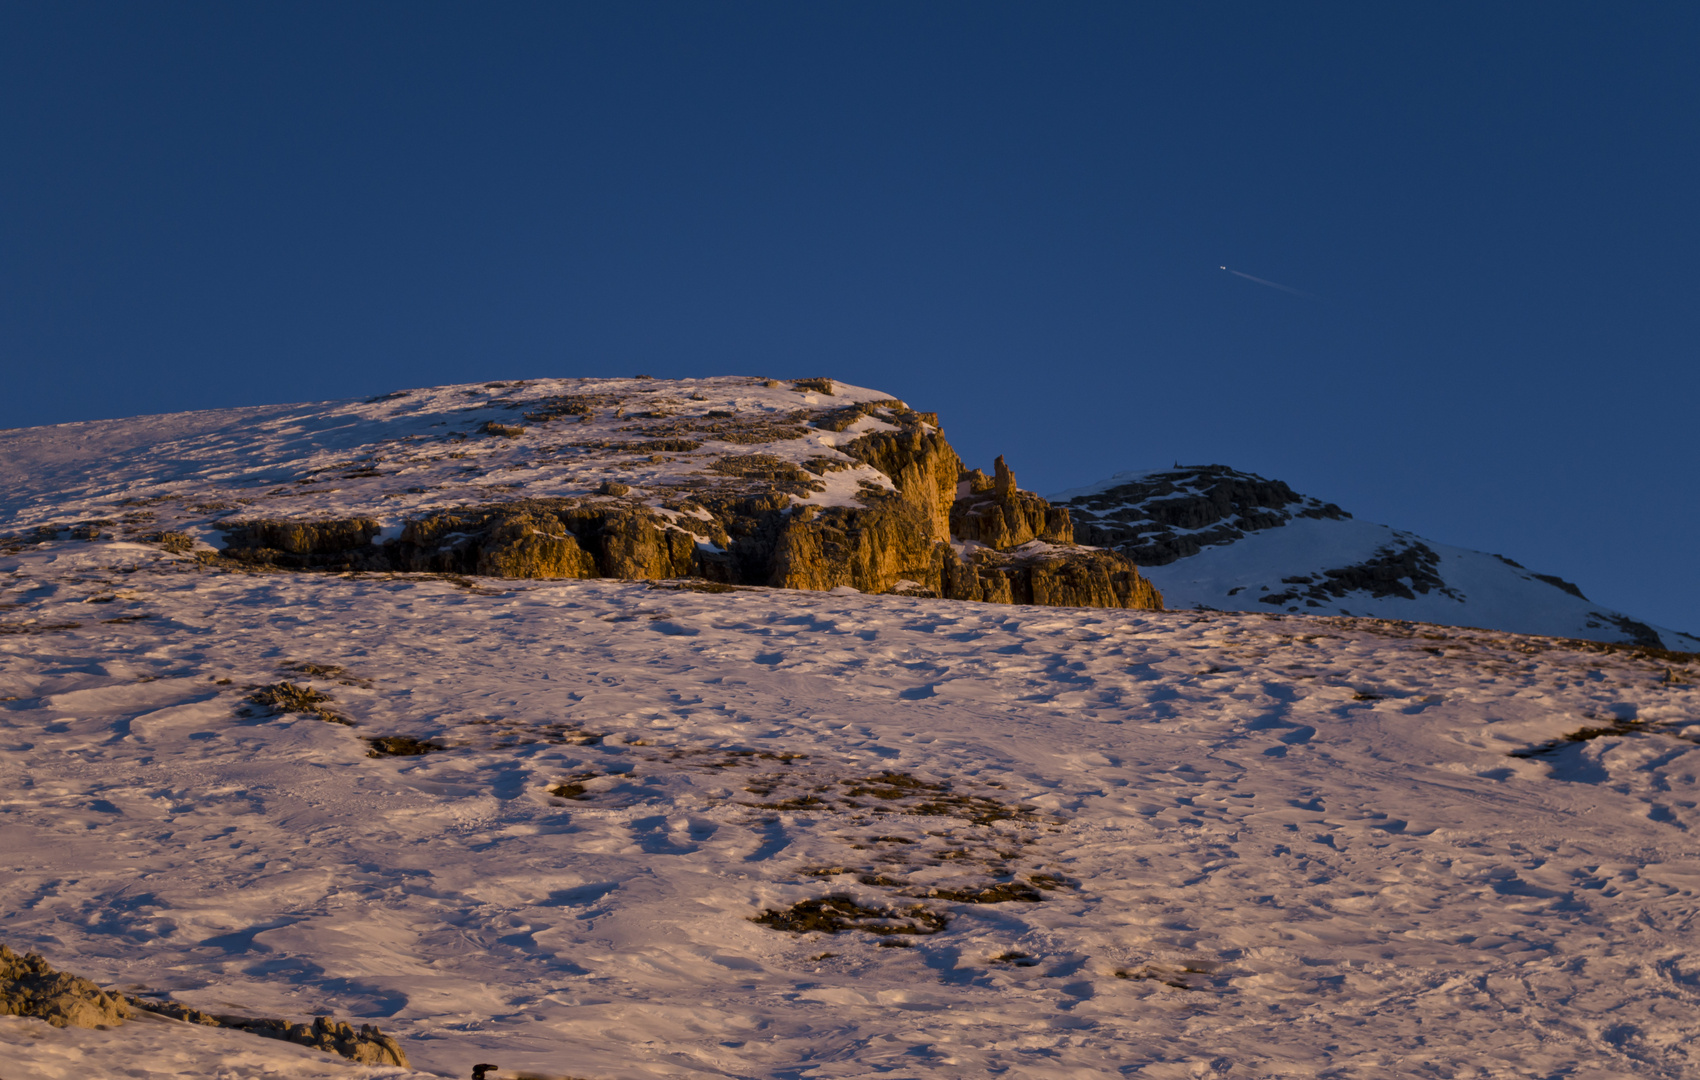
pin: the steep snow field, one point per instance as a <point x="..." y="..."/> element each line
<point x="1212" y="537"/>
<point x="1217" y="845"/>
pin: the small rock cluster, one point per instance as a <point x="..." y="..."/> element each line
<point x="366" y="1046"/>
<point x="29" y="986"/>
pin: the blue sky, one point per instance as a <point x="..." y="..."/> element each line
<point x="1014" y="214"/>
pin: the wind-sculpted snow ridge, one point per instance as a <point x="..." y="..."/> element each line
<point x="810" y="484"/>
<point x="643" y="829"/>
<point x="1213" y="537"/>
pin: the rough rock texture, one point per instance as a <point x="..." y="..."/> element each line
<point x="1156" y="518"/>
<point x="30" y="987"/>
<point x="1638" y="632"/>
<point x="896" y="535"/>
<point x="856" y="491"/>
<point x="994" y="512"/>
<point x="528" y="538"/>
<point x="303" y="545"/>
<point x="1402" y="569"/>
<point x="1052" y="575"/>
<point x="366" y="1046"/>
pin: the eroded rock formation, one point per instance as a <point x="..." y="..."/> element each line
<point x="29" y="986"/>
<point x="861" y="493"/>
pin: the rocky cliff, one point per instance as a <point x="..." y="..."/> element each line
<point x="807" y="484"/>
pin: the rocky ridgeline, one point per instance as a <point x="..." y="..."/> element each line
<point x="816" y="492"/>
<point x="29" y="986"/>
<point x="1158" y="517"/>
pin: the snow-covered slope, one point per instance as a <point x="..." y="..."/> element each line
<point x="622" y="829"/>
<point x="1187" y="844"/>
<point x="1213" y="537"/>
<point x="414" y="451"/>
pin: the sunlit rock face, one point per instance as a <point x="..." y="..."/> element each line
<point x="808" y="484"/>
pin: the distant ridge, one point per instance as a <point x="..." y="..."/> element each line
<point x="1214" y="537"/>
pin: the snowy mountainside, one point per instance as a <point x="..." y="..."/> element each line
<point x="584" y="824"/>
<point x="786" y="834"/>
<point x="1215" y="537"/>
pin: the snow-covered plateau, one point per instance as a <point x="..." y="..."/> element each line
<point x="622" y="829"/>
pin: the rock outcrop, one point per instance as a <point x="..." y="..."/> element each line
<point x="858" y="491"/>
<point x="1403" y="569"/>
<point x="367" y="1045"/>
<point x="1049" y="575"/>
<point x="1156" y="518"/>
<point x="994" y="512"/>
<point x="29" y="986"/>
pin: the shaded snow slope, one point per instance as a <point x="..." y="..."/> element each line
<point x="1182" y="844"/>
<point x="1214" y="537"/>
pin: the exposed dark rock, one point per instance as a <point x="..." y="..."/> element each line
<point x="830" y="914"/>
<point x="29" y="986"/>
<point x="1638" y="632"/>
<point x="1157" y="518"/>
<point x="578" y="406"/>
<point x="401" y="746"/>
<point x="1000" y="515"/>
<point x="300" y="545"/>
<point x="366" y="1046"/>
<point x="1000" y="893"/>
<point x="36" y="628"/>
<point x="175" y="542"/>
<point x="1050" y="575"/>
<point x="1557" y="582"/>
<point x="1404" y="570"/>
<point x="842" y="417"/>
<point x="286" y="697"/>
<point x="729" y="428"/>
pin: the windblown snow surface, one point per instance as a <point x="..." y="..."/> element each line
<point x="1220" y="845"/>
<point x="1052" y="843"/>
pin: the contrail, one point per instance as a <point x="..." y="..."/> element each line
<point x="1273" y="285"/>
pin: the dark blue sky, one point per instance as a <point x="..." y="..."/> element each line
<point x="1012" y="214"/>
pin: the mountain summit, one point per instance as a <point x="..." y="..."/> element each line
<point x="1213" y="537"/>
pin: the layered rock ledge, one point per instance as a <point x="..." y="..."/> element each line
<point x="808" y="484"/>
